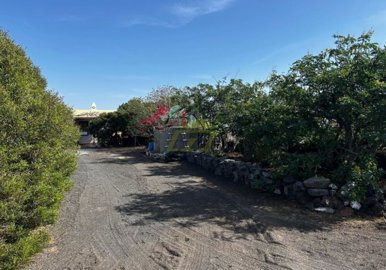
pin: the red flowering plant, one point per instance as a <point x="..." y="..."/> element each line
<point x="165" y="117"/>
<point x="157" y="120"/>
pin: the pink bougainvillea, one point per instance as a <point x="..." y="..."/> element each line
<point x="158" y="119"/>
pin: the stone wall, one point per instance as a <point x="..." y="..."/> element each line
<point x="315" y="193"/>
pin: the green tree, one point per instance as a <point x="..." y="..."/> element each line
<point x="127" y="119"/>
<point x="221" y="105"/>
<point x="108" y="127"/>
<point x="165" y="96"/>
<point x="326" y="115"/>
<point x="137" y="111"/>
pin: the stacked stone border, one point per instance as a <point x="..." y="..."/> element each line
<point x="316" y="193"/>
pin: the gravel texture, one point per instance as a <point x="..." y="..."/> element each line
<point x="126" y="212"/>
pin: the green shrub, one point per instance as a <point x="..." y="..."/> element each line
<point x="37" y="154"/>
<point x="325" y="116"/>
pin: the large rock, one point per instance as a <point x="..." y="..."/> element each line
<point x="298" y="186"/>
<point x="316" y="182"/>
<point x="317" y="192"/>
<point x="289" y="180"/>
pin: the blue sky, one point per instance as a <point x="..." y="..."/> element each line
<point x="108" y="51"/>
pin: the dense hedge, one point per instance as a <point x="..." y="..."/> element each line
<point x="326" y="116"/>
<point x="37" y="155"/>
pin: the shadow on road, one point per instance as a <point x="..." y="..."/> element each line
<point x="215" y="200"/>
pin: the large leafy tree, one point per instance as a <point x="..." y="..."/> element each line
<point x="221" y="105"/>
<point x="126" y="120"/>
<point x="166" y="96"/>
<point x="107" y="127"/>
<point x="326" y="115"/>
<point x="137" y="110"/>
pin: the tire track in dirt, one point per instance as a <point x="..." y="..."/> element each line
<point x="126" y="212"/>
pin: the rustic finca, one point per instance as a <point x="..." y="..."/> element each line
<point x="82" y="118"/>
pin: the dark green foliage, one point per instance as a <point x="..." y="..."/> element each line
<point x="325" y="116"/>
<point x="137" y="110"/>
<point x="37" y="154"/>
<point x="221" y="105"/>
<point x="109" y="127"/>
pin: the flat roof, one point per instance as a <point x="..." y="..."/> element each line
<point x="88" y="114"/>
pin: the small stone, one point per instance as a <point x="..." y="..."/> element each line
<point x="355" y="205"/>
<point x="266" y="174"/>
<point x="317" y="192"/>
<point x="316" y="182"/>
<point x="326" y="201"/>
<point x="325" y="210"/>
<point x="333" y="187"/>
<point x="277" y="191"/>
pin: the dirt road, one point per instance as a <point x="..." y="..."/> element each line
<point x="126" y="212"/>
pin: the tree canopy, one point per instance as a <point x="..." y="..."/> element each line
<point x="324" y="116"/>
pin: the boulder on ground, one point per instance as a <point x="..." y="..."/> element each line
<point x="317" y="182"/>
<point x="317" y="192"/>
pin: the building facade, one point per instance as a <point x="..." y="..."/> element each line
<point x="82" y="118"/>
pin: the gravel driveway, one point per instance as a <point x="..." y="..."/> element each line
<point x="126" y="212"/>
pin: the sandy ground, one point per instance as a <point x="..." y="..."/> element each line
<point x="126" y="212"/>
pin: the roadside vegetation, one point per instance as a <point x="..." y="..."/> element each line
<point x="37" y="155"/>
<point x="325" y="116"/>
